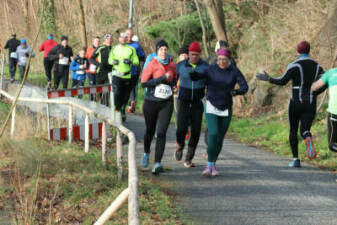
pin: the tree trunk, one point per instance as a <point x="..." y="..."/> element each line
<point x="82" y="24"/>
<point x="327" y="38"/>
<point x="204" y="41"/>
<point x="216" y="14"/>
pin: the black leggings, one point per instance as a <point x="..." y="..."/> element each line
<point x="102" y="78"/>
<point x="121" y="89"/>
<point x="157" y="115"/>
<point x="189" y="114"/>
<point x="61" y="75"/>
<point x="48" y="66"/>
<point x="303" y="113"/>
<point x="332" y="132"/>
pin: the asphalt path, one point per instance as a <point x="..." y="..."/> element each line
<point x="254" y="187"/>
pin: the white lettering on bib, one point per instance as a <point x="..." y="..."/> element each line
<point x="92" y="68"/>
<point x="14" y="55"/>
<point x="163" y="91"/>
<point x="80" y="72"/>
<point x="211" y="109"/>
<point x="64" y="61"/>
<point x="117" y="73"/>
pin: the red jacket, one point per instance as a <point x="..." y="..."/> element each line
<point x="46" y="46"/>
<point x="88" y="55"/>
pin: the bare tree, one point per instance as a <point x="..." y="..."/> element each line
<point x="82" y="24"/>
<point x="217" y="16"/>
<point x="204" y="40"/>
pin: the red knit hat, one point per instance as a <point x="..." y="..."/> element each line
<point x="194" y="47"/>
<point x="303" y="47"/>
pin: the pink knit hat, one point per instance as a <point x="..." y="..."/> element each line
<point x="223" y="52"/>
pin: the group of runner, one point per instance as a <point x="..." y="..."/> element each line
<point x="191" y="86"/>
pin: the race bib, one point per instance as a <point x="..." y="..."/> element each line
<point x="92" y="68"/>
<point x="163" y="91"/>
<point x="80" y="72"/>
<point x="13" y="55"/>
<point x="64" y="61"/>
<point x="211" y="109"/>
<point x="23" y="60"/>
<point x="117" y="74"/>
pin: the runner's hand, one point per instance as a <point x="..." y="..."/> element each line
<point x="127" y="61"/>
<point x="115" y="62"/>
<point x="27" y="54"/>
<point x="234" y="92"/>
<point x="263" y="76"/>
<point x="194" y="75"/>
<point x="61" y="56"/>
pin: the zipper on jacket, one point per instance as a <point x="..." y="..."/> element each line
<point x="192" y="89"/>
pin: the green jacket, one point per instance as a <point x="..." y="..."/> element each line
<point x="121" y="52"/>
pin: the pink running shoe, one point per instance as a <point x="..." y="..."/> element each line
<point x="215" y="172"/>
<point x="207" y="171"/>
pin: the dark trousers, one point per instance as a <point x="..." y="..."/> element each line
<point x="22" y="71"/>
<point x="61" y="75"/>
<point x="332" y="132"/>
<point x="189" y="114"/>
<point x="102" y="78"/>
<point x="77" y="83"/>
<point x="92" y="81"/>
<point x="157" y="115"/>
<point x="12" y="67"/>
<point x="300" y="114"/>
<point x="134" y="89"/>
<point x="121" y="89"/>
<point x="48" y="66"/>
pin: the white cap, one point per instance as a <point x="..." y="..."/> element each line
<point x="135" y="38"/>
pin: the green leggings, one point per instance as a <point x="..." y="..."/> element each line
<point x="217" y="128"/>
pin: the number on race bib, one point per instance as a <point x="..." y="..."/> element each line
<point x="64" y="61"/>
<point x="163" y="91"/>
<point x="14" y="55"/>
<point x="92" y="68"/>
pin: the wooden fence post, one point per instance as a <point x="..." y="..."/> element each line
<point x="70" y="124"/>
<point x="104" y="135"/>
<point x="13" y="122"/>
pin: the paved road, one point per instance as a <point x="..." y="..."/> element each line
<point x="254" y="188"/>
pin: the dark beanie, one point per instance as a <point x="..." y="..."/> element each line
<point x="183" y="50"/>
<point x="64" y="37"/>
<point x="303" y="47"/>
<point x="160" y="44"/>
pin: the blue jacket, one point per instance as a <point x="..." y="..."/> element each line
<point x="75" y="68"/>
<point x="141" y="55"/>
<point x="220" y="83"/>
<point x="190" y="90"/>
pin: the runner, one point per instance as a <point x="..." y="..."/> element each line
<point x="61" y="55"/>
<point x="91" y="72"/>
<point x="122" y="57"/>
<point x="221" y="79"/>
<point x="46" y="46"/>
<point x="190" y="106"/>
<point x="78" y="66"/>
<point x="135" y="70"/>
<point x="22" y="53"/>
<point x="330" y="78"/>
<point x="158" y="79"/>
<point x="12" y="45"/>
<point x="302" y="107"/>
<point x="100" y="59"/>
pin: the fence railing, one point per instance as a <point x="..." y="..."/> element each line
<point x="131" y="193"/>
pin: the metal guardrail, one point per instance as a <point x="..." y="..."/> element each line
<point x="132" y="191"/>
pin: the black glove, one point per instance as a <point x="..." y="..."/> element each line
<point x="115" y="62"/>
<point x="194" y="75"/>
<point x="263" y="76"/>
<point x="27" y="54"/>
<point x="127" y="61"/>
<point x="234" y="92"/>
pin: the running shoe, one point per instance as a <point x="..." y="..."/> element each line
<point x="215" y="172"/>
<point x="187" y="135"/>
<point x="207" y="171"/>
<point x="295" y="163"/>
<point x="157" y="168"/>
<point x="179" y="153"/>
<point x="189" y="164"/>
<point x="12" y="80"/>
<point x="132" y="107"/>
<point x="311" y="152"/>
<point x="145" y="160"/>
